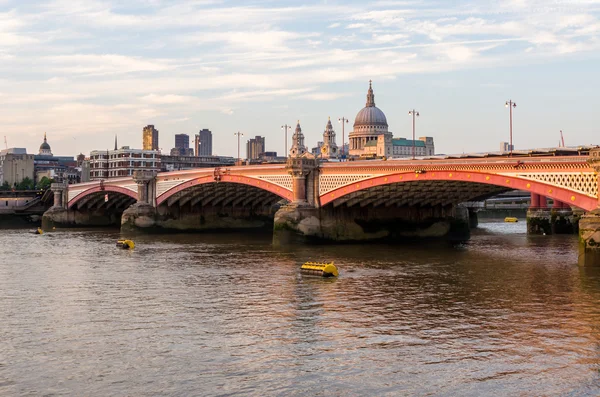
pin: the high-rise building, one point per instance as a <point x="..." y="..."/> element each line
<point x="150" y="138"/>
<point x="182" y="141"/>
<point x="254" y="147"/>
<point x="204" y="143"/>
<point x="506" y="147"/>
<point x="182" y="146"/>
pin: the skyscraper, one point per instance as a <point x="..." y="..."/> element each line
<point x="254" y="147"/>
<point x="204" y="143"/>
<point x="182" y="146"/>
<point x="150" y="138"/>
<point x="182" y="141"/>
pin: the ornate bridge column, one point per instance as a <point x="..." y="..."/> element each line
<point x="301" y="217"/>
<point x="141" y="215"/>
<point x="589" y="224"/>
<point x="60" y="192"/>
<point x="144" y="179"/>
<point x="300" y="168"/>
<point x="58" y="215"/>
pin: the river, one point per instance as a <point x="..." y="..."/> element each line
<point x="229" y="315"/>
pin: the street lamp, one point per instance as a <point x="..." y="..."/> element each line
<point x="239" y="134"/>
<point x="510" y="105"/>
<point x="343" y="120"/>
<point x="286" y="127"/>
<point x="414" y="114"/>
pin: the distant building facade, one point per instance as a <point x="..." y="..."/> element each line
<point x="329" y="149"/>
<point x="203" y="143"/>
<point x="176" y="163"/>
<point x="122" y="162"/>
<point x="317" y="149"/>
<point x="15" y="165"/>
<point x="63" y="169"/>
<point x="254" y="147"/>
<point x="371" y="138"/>
<point x="506" y="147"/>
<point x="182" y="146"/>
<point x="298" y="148"/>
<point x="150" y="138"/>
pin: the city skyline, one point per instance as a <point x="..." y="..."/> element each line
<point x="303" y="61"/>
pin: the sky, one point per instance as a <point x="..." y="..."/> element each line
<point x="85" y="70"/>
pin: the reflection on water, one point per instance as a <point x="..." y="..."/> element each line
<point x="504" y="314"/>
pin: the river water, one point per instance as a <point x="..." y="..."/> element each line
<point x="224" y="315"/>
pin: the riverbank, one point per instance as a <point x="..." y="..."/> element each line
<point x="14" y="221"/>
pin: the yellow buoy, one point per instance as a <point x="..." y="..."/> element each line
<point x="320" y="269"/>
<point x="510" y="219"/>
<point x="126" y="244"/>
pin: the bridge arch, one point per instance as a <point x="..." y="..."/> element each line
<point x="123" y="197"/>
<point x="190" y="190"/>
<point x="359" y="189"/>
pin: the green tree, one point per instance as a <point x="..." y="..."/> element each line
<point x="5" y="186"/>
<point x="44" y="183"/>
<point x="25" y="184"/>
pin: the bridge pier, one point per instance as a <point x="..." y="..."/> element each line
<point x="559" y="219"/>
<point x="57" y="215"/>
<point x="589" y="223"/>
<point x="539" y="216"/>
<point x="142" y="214"/>
<point x="473" y="218"/>
<point x="301" y="218"/>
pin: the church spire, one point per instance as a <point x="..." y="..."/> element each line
<point x="370" y="96"/>
<point x="298" y="148"/>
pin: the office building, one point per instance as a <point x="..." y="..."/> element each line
<point x="176" y="163"/>
<point x="254" y="147"/>
<point x="506" y="147"/>
<point x="150" y="138"/>
<point x="122" y="162"/>
<point x="203" y="143"/>
<point x="15" y="165"/>
<point x="182" y="146"/>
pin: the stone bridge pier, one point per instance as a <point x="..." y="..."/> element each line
<point x="142" y="214"/>
<point x="589" y="223"/>
<point x="58" y="213"/>
<point x="307" y="219"/>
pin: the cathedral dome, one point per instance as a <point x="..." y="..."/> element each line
<point x="370" y="115"/>
<point x="45" y="148"/>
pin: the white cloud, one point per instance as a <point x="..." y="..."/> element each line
<point x="125" y="63"/>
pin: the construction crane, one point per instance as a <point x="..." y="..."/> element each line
<point x="562" y="139"/>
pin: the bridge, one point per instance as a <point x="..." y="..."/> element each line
<point x="568" y="179"/>
<point x="353" y="200"/>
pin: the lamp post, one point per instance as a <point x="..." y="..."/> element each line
<point x="239" y="134"/>
<point x="286" y="127"/>
<point x="510" y="105"/>
<point x="414" y="114"/>
<point x="343" y="120"/>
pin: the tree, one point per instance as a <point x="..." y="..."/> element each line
<point x="44" y="183"/>
<point x="5" y="186"/>
<point x="26" y="184"/>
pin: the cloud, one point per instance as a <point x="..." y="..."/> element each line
<point x="75" y="62"/>
<point x="167" y="99"/>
